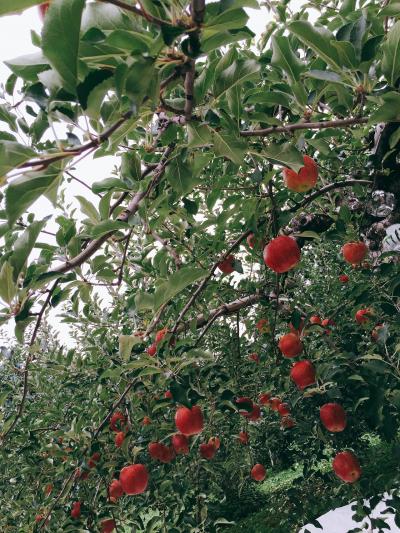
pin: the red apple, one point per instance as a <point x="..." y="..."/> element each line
<point x="154" y="449"/>
<point x="134" y="479"/>
<point x="180" y="443"/>
<point x="108" y="525"/>
<point x="117" y="421"/>
<point x="43" y="9"/>
<point x="290" y="345"/>
<point x="354" y="252"/>
<point x="215" y="441"/>
<point x="264" y="398"/>
<point x="263" y="326"/>
<point x="76" y="510"/>
<point x="283" y="409"/>
<point x="115" y="490"/>
<point x="315" y="319"/>
<point x="146" y="421"/>
<point x="160" y="335"/>
<point x="166" y="453"/>
<point x="363" y="315"/>
<point x="254" y="357"/>
<point x="189" y="421"/>
<point x="327" y="322"/>
<point x="207" y="450"/>
<point x="343" y="278"/>
<point x="346" y="467"/>
<point x="305" y="179"/>
<point x="226" y="266"/>
<point x="48" y="489"/>
<point x="92" y="463"/>
<point x="333" y="417"/>
<point x="297" y="330"/>
<point x="255" y="412"/>
<point x="243" y="437"/>
<point x="119" y="439"/>
<point x="168" y="395"/>
<point x="258" y="472"/>
<point x="152" y="349"/>
<point x="282" y="254"/>
<point x="303" y="374"/>
<point x="274" y="403"/>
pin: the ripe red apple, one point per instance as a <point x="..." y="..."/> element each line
<point x="258" y="472"/>
<point x="167" y="454"/>
<point x="154" y="449"/>
<point x="263" y="326"/>
<point x="274" y="403"/>
<point x="283" y="409"/>
<point x="180" y="443"/>
<point x="189" y="421"/>
<point x="152" y="349"/>
<point x="282" y="254"/>
<point x="43" y="9"/>
<point x="354" y="252"/>
<point x="363" y="316"/>
<point x="315" y="319"/>
<point x="333" y="417"/>
<point x="119" y="439"/>
<point x="168" y="395"/>
<point x="290" y="345"/>
<point x="303" y="374"/>
<point x="108" y="525"/>
<point x="115" y="490"/>
<point x="327" y="322"/>
<point x="264" y="398"/>
<point x="346" y="467"/>
<point x="76" y="510"/>
<point x="254" y="357"/>
<point x="215" y="441"/>
<point x="226" y="266"/>
<point x="48" y="489"/>
<point x="146" y="421"/>
<point x="243" y="437"/>
<point x="305" y="179"/>
<point x="39" y="517"/>
<point x="343" y="278"/>
<point x="255" y="412"/>
<point x="117" y="421"/>
<point x="207" y="450"/>
<point x="134" y="479"/>
<point x="92" y="463"/>
<point x="160" y="335"/>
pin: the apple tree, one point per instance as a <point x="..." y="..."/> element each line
<point x="232" y="287"/>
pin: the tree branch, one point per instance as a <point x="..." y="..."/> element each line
<point x="339" y="123"/>
<point x="29" y="359"/>
<point x="136" y="11"/>
<point x="338" y="185"/>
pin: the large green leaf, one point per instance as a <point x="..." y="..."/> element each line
<point x="13" y="6"/>
<point x="24" y="245"/>
<point x="23" y="191"/>
<point x="176" y="283"/>
<point x="8" y="117"/>
<point x="391" y="55"/>
<point x="13" y="154"/>
<point x="126" y="343"/>
<point x="229" y="146"/>
<point x="60" y="39"/>
<point x="8" y="288"/>
<point x="28" y="66"/>
<point x="318" y="39"/>
<point x="284" y="154"/>
<point x="180" y="176"/>
<point x="284" y="57"/>
<point x="237" y="73"/>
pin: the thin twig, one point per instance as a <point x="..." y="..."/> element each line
<point x="339" y="123"/>
<point x="121" y="269"/>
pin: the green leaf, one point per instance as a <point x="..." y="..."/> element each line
<point x="23" y="191"/>
<point x="60" y="39"/>
<point x="319" y="40"/>
<point x="13" y="6"/>
<point x="126" y="343"/>
<point x="390" y="110"/>
<point x="13" y="154"/>
<point x="130" y="167"/>
<point x="176" y="283"/>
<point x="130" y="40"/>
<point x="391" y="55"/>
<point x="28" y="66"/>
<point x="284" y="57"/>
<point x="88" y="209"/>
<point x="347" y="53"/>
<point x="180" y="176"/>
<point x="109" y="184"/>
<point x="198" y="135"/>
<point x="284" y="154"/>
<point x="237" y="73"/>
<point x="392" y="10"/>
<point x="227" y="145"/>
<point x="8" y="289"/>
<point x="107" y="226"/>
<point x="144" y="300"/>
<point x="24" y="245"/>
<point x="9" y="118"/>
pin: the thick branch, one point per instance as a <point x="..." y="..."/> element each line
<point x="338" y="185"/>
<point x="339" y="123"/>
<point x="132" y="208"/>
<point x="189" y="90"/>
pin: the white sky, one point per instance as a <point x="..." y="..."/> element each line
<point x="15" y="40"/>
